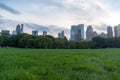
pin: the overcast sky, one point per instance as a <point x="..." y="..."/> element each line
<point x="63" y="13"/>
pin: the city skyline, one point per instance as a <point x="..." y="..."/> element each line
<point x="63" y="13"/>
<point x="77" y="32"/>
<point x="59" y="14"/>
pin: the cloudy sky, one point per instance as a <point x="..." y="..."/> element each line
<point x="63" y="13"/>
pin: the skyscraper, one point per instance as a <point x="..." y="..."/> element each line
<point x="61" y="35"/>
<point x="118" y="28"/>
<point x="81" y="26"/>
<point x="117" y="31"/>
<point x="73" y="31"/>
<point x="44" y="33"/>
<point x="89" y="33"/>
<point x="77" y="32"/>
<point x="19" y="28"/>
<point x="35" y="32"/>
<point x="109" y="32"/>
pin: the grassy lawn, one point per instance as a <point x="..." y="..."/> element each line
<point x="39" y="64"/>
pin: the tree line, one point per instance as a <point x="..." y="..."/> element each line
<point x="49" y="42"/>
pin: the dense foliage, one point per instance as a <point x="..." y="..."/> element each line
<point x="49" y="42"/>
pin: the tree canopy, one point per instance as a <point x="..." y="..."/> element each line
<point x="49" y="42"/>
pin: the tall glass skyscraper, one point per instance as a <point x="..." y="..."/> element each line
<point x="73" y="32"/>
<point x="81" y="27"/>
<point x="19" y="28"/>
<point x="77" y="32"/>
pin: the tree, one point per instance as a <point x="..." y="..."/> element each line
<point x="4" y="40"/>
<point x="25" y="41"/>
<point x="59" y="43"/>
<point x="100" y="42"/>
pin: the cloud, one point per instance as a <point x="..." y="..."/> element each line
<point x="73" y="11"/>
<point x="28" y="27"/>
<point x="9" y="9"/>
<point x="100" y="28"/>
<point x="52" y="29"/>
<point x="64" y="13"/>
<point x="88" y="11"/>
<point x="36" y="27"/>
<point x="1" y="16"/>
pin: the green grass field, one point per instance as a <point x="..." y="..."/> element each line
<point x="36" y="64"/>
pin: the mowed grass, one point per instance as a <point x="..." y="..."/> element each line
<point x="39" y="64"/>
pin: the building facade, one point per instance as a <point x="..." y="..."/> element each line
<point x="89" y="33"/>
<point x="117" y="31"/>
<point x="61" y="35"/>
<point x="35" y="32"/>
<point x="44" y="33"/>
<point x="109" y="32"/>
<point x="95" y="34"/>
<point x="19" y="28"/>
<point x="103" y="35"/>
<point x="22" y="26"/>
<point x="81" y="26"/>
<point x="6" y="32"/>
<point x="77" y="32"/>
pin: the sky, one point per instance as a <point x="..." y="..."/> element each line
<point x="63" y="13"/>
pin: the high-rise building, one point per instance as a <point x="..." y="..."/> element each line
<point x="44" y="33"/>
<point x="81" y="26"/>
<point x="77" y="32"/>
<point x="61" y="35"/>
<point x="89" y="33"/>
<point x="109" y="32"/>
<point x="117" y="31"/>
<point x="19" y="28"/>
<point x="73" y="32"/>
<point x="103" y="35"/>
<point x="35" y="32"/>
<point x="95" y="34"/>
<point x="6" y="32"/>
